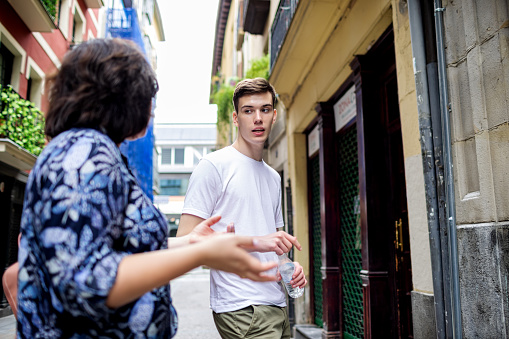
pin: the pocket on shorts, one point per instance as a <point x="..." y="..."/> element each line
<point x="244" y="319"/>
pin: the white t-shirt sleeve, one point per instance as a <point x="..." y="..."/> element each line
<point x="203" y="191"/>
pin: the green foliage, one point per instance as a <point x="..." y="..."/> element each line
<point x="223" y="99"/>
<point x="259" y="68"/>
<point x="50" y="6"/>
<point x="21" y="121"/>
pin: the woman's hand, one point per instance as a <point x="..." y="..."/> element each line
<point x="226" y="252"/>
<point x="203" y="230"/>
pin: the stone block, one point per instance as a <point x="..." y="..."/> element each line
<point x="423" y="314"/>
<point x="483" y="259"/>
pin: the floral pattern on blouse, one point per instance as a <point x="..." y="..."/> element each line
<point x="83" y="213"/>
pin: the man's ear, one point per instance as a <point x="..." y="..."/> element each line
<point x="235" y="119"/>
<point x="274" y="117"/>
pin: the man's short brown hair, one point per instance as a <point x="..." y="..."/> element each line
<point x="252" y="86"/>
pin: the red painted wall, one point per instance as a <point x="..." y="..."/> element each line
<point x="56" y="40"/>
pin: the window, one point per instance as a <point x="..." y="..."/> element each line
<point x="29" y="89"/>
<point x="63" y="17"/>
<point x="12" y="60"/>
<point x="166" y="156"/>
<point x="173" y="186"/>
<point x="78" y="25"/>
<point x="6" y="64"/>
<point x="35" y="77"/>
<point x="179" y="156"/>
<point x="172" y="156"/>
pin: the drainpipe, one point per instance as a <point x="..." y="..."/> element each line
<point x="450" y="199"/>
<point x="428" y="159"/>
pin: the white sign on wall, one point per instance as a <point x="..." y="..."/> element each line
<point x="345" y="109"/>
<point x="313" y="142"/>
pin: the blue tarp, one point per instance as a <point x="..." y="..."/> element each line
<point x="123" y="23"/>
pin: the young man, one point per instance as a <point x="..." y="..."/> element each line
<point x="235" y="183"/>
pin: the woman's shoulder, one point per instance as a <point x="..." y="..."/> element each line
<point x="79" y="142"/>
<point x="84" y="149"/>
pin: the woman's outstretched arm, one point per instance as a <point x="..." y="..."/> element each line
<point x="139" y="273"/>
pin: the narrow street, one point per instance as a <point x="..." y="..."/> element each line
<point x="8" y="327"/>
<point x="190" y="295"/>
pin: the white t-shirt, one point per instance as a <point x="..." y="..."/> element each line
<point x="248" y="193"/>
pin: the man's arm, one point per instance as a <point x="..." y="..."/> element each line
<point x="187" y="223"/>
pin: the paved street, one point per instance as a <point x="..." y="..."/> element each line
<point x="7" y="327"/>
<point x="191" y="298"/>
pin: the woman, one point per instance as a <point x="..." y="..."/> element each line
<point x="93" y="255"/>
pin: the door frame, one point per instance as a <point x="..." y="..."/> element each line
<point x="381" y="318"/>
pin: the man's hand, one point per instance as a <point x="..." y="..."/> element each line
<point x="298" y="277"/>
<point x="279" y="242"/>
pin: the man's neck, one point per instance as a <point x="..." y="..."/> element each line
<point x="252" y="151"/>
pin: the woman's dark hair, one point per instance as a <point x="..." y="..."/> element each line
<point x="105" y="84"/>
<point x="252" y="86"/>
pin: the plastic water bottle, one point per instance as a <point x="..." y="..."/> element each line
<point x="286" y="269"/>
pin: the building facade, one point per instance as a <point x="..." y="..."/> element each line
<point x="391" y="145"/>
<point x="179" y="147"/>
<point x="34" y="36"/>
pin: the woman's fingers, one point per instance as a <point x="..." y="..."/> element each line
<point x="211" y="221"/>
<point x="226" y="253"/>
<point x="203" y="229"/>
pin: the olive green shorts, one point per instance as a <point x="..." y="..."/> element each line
<point x="256" y="321"/>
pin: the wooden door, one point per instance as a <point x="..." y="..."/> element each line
<point x="400" y="271"/>
<point x="386" y="270"/>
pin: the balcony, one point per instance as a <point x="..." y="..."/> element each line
<point x="240" y="26"/>
<point x="255" y="15"/>
<point x="37" y="15"/>
<point x="94" y="3"/>
<point x="16" y="156"/>
<point x="280" y="26"/>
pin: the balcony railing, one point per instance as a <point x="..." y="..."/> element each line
<point x="280" y="26"/>
<point x="51" y="7"/>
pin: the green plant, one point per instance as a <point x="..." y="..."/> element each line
<point x="21" y="121"/>
<point x="259" y="68"/>
<point x="50" y="6"/>
<point x="223" y="99"/>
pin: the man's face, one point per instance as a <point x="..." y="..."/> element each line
<point x="255" y="117"/>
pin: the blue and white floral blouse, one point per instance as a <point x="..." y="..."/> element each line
<point x="83" y="213"/>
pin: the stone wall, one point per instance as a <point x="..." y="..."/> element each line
<point x="477" y="55"/>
